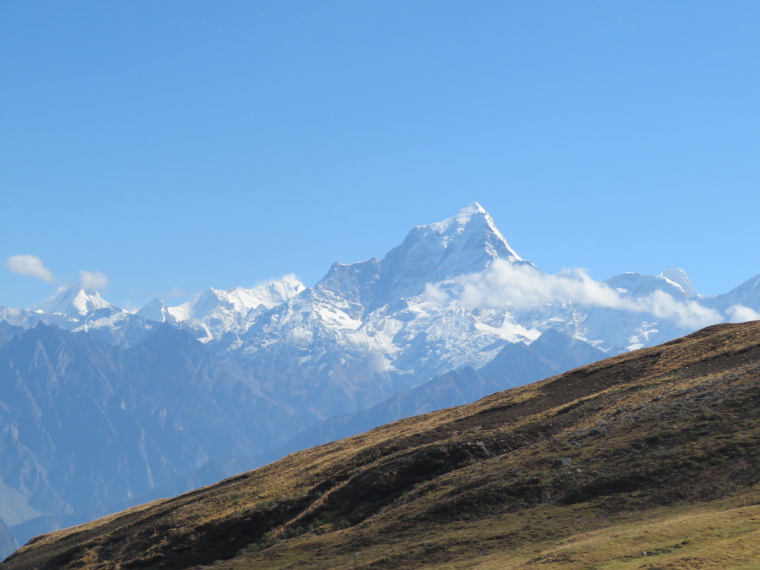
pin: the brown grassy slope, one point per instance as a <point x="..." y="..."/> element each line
<point x="646" y="460"/>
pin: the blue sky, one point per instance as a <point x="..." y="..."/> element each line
<point x="186" y="144"/>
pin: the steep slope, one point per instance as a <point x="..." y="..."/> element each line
<point x="648" y="459"/>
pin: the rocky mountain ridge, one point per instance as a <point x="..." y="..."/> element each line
<point x="433" y="271"/>
<point x="447" y="316"/>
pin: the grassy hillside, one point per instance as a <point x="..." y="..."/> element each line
<point x="646" y="460"/>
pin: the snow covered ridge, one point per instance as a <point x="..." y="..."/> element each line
<point x="73" y="302"/>
<point x="452" y="293"/>
<point x="215" y="312"/>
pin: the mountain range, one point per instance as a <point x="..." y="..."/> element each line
<point x="650" y="459"/>
<point x="102" y="408"/>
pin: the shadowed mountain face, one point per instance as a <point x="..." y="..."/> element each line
<point x="86" y="425"/>
<point x="7" y="541"/>
<point x="7" y="331"/>
<point x="652" y="456"/>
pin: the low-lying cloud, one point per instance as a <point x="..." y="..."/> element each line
<point x="30" y="265"/>
<point x="523" y="287"/>
<point x="742" y="314"/>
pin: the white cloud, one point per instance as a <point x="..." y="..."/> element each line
<point x="29" y="265"/>
<point x="742" y="314"/>
<point x="688" y="315"/>
<point x="92" y="280"/>
<point x="175" y="292"/>
<point x="523" y="287"/>
<point x="434" y="294"/>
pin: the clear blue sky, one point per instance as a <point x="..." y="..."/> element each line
<point x="186" y="144"/>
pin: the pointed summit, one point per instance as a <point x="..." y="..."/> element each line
<point x="464" y="215"/>
<point x="473" y="222"/>
<point x="680" y="278"/>
<point x="467" y="242"/>
<point x="156" y="310"/>
<point x="73" y="302"/>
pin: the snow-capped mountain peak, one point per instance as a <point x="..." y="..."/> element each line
<point x="467" y="242"/>
<point x="239" y="300"/>
<point x="156" y="310"/>
<point x="214" y="312"/>
<point x="73" y="302"/>
<point x="461" y="218"/>
<point x="472" y="220"/>
<point x="274" y="292"/>
<point x="680" y="278"/>
<point x="414" y="299"/>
